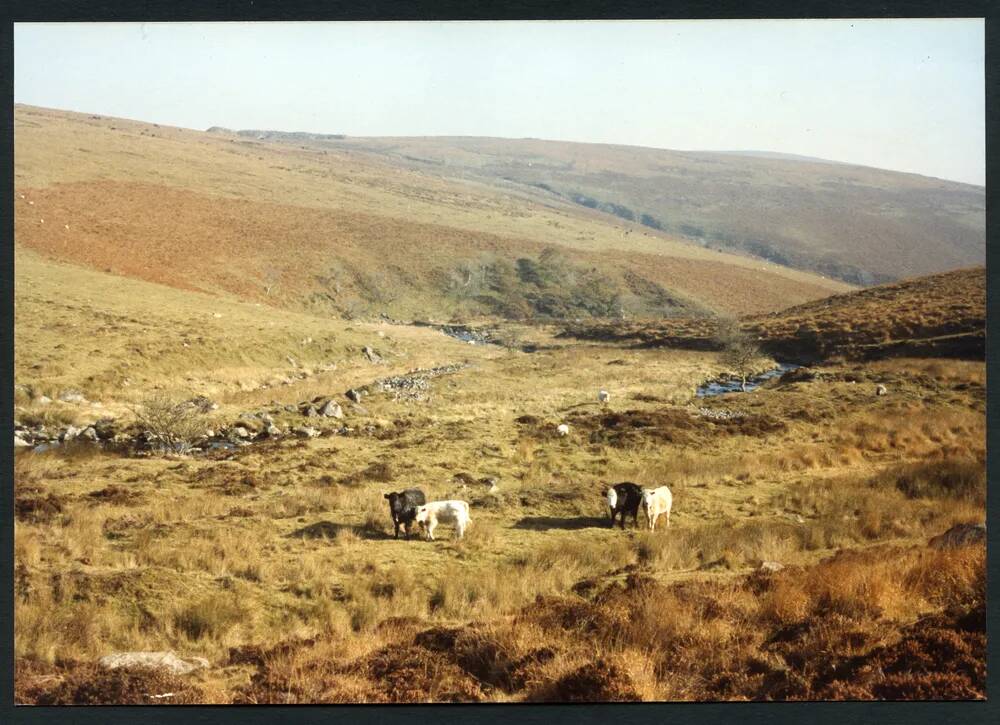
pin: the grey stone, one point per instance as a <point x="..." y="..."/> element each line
<point x="69" y="434"/>
<point x="960" y="535"/>
<point x="770" y="566"/>
<point x="90" y="434"/>
<point x="167" y="661"/>
<point x="332" y="410"/>
<point x="304" y="431"/>
<point x="72" y="396"/>
<point x="241" y="432"/>
<point x="19" y="442"/>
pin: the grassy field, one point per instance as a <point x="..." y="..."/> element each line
<point x="276" y="562"/>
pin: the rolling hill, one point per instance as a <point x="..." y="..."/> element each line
<point x="342" y="231"/>
<point x="858" y="224"/>
<point x="940" y="315"/>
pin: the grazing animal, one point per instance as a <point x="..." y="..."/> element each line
<point x="624" y="498"/>
<point x="403" y="508"/>
<point x="880" y="389"/>
<point x="603" y="396"/>
<point x="656" y="502"/>
<point x="562" y="429"/>
<point x="444" y="512"/>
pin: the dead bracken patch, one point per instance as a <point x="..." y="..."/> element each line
<point x="38" y="509"/>
<point x="88" y="684"/>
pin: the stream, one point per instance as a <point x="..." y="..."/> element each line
<point x="732" y="385"/>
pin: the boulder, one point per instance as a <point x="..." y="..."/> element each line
<point x="310" y="411"/>
<point x="273" y="432"/>
<point x="43" y="400"/>
<point x="72" y="396"/>
<point x="19" y="442"/>
<point x="69" y="434"/>
<point x="960" y="535"/>
<point x="354" y="395"/>
<point x="165" y="661"/>
<point x="241" y="432"/>
<point x="90" y="434"/>
<point x="305" y="431"/>
<point x="371" y="354"/>
<point x="332" y="409"/>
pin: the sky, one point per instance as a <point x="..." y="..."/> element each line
<point x="906" y="95"/>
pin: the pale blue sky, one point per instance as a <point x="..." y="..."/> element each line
<point x="897" y="94"/>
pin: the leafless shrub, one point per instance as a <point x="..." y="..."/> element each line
<point x="171" y="426"/>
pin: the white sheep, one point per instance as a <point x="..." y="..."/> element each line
<point x="562" y="429"/>
<point x="603" y="396"/>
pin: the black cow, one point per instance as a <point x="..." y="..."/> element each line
<point x="403" y="508"/>
<point x="624" y="498"/>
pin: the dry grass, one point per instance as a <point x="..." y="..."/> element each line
<point x="284" y="543"/>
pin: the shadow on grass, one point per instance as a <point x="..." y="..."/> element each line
<point x="544" y="523"/>
<point x="329" y="530"/>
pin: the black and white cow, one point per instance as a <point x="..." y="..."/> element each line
<point x="403" y="508"/>
<point x="624" y="498"/>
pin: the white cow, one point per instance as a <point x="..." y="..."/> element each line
<point x="655" y="502"/>
<point x="444" y="512"/>
<point x="562" y="429"/>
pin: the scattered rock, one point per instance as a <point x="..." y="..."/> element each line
<point x="90" y="434"/>
<point x="43" y="400"/>
<point x="770" y="566"/>
<point x="166" y="661"/>
<point x="354" y="395"/>
<point x="310" y="411"/>
<point x="304" y="431"/>
<point x="202" y="404"/>
<point x="20" y="442"/>
<point x="72" y="396"/>
<point x="720" y="414"/>
<point x="69" y="434"/>
<point x="241" y="432"/>
<point x="960" y="535"/>
<point x="273" y="432"/>
<point x="332" y="409"/>
<point x="371" y="355"/>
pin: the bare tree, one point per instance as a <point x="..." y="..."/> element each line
<point x="739" y="350"/>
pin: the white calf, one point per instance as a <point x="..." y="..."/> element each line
<point x="655" y="502"/>
<point x="443" y="512"/>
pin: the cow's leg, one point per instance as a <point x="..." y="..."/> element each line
<point x="668" y="518"/>
<point x="396" y="533"/>
<point x="460" y="529"/>
<point x="430" y="530"/>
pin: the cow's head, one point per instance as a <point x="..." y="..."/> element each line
<point x="421" y="516"/>
<point x="612" y="497"/>
<point x="396" y="501"/>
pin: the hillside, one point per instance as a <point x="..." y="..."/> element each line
<point x="337" y="231"/>
<point x="942" y="315"/>
<point x="859" y="224"/>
